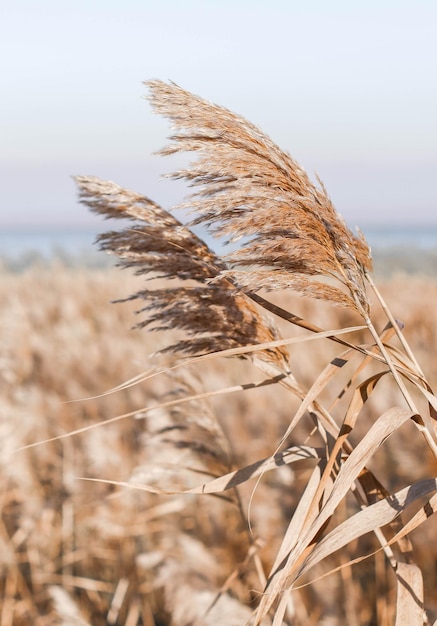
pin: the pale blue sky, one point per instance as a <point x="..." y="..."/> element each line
<point x="348" y="88"/>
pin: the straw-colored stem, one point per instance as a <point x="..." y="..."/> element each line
<point x="333" y="429"/>
<point x="400" y="383"/>
<point x="395" y="325"/>
<point x="252" y="541"/>
<point x="298" y="321"/>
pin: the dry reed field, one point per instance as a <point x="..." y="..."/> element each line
<point x="267" y="456"/>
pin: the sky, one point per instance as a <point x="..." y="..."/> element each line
<point x="348" y="88"/>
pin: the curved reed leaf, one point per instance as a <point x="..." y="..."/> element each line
<point x="231" y="479"/>
<point x="374" y="516"/>
<point x="286" y="573"/>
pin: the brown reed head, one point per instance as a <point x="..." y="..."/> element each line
<point x="196" y="298"/>
<point x="248" y="189"/>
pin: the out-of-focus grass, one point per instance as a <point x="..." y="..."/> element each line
<point x="76" y="550"/>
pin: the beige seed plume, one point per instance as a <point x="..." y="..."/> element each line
<point x="248" y="188"/>
<point x="212" y="314"/>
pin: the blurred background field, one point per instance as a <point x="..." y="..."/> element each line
<point x="76" y="552"/>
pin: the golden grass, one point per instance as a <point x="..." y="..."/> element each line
<point x="69" y="545"/>
<point x="279" y="488"/>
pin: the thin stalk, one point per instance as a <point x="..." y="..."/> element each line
<point x="253" y="541"/>
<point x="395" y="325"/>
<point x="298" y="321"/>
<point x="400" y="383"/>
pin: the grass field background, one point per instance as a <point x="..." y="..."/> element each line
<point x="78" y="552"/>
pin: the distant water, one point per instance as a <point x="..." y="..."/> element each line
<point x="16" y="242"/>
<point x="21" y="247"/>
<point x="386" y="237"/>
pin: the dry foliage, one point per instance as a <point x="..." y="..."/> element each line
<point x="280" y="487"/>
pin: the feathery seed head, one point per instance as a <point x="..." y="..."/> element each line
<point x="196" y="298"/>
<point x="248" y="188"/>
